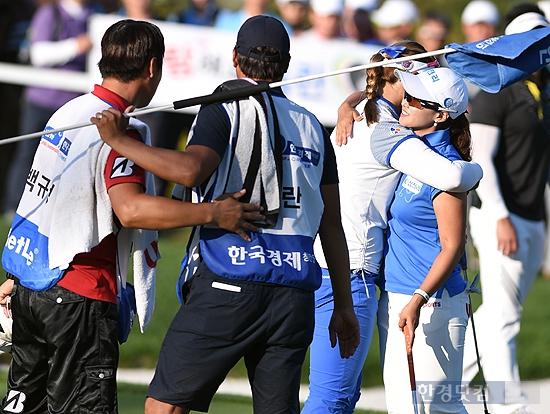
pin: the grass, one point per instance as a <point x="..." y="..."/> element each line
<point x="141" y="350"/>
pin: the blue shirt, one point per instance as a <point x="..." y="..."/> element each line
<point x="413" y="235"/>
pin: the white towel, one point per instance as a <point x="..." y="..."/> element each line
<point x="84" y="217"/>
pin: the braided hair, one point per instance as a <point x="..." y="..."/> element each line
<point x="378" y="77"/>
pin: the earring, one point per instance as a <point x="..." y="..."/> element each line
<point x="435" y="124"/>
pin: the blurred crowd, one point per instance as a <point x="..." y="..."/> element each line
<point x="53" y="33"/>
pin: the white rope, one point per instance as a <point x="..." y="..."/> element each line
<point x="271" y="85"/>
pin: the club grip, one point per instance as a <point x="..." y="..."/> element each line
<point x="223" y="96"/>
<point x="410" y="362"/>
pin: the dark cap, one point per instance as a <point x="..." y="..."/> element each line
<point x="263" y="31"/>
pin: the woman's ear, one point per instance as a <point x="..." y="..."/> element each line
<point x="441" y="117"/>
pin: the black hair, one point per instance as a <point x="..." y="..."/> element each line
<point x="262" y="69"/>
<point x="127" y="47"/>
<point x="520" y="9"/>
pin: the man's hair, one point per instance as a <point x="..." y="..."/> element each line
<point x="127" y="47"/>
<point x="520" y="9"/>
<point x="260" y="69"/>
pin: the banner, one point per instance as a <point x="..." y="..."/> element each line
<point x="198" y="59"/>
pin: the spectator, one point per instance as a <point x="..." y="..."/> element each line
<point x="197" y="12"/>
<point x="58" y="36"/>
<point x="294" y="15"/>
<point x="15" y="17"/>
<point x="479" y="20"/>
<point x="231" y="20"/>
<point x="395" y="20"/>
<point x="77" y="215"/>
<point x="545" y="7"/>
<point x="511" y="141"/>
<point x="137" y="9"/>
<point x="433" y="30"/>
<point x="356" y="21"/>
<point x="325" y="17"/>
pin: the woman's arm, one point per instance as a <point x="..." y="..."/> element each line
<point x="450" y="211"/>
<point x="347" y="115"/>
<point x="413" y="157"/>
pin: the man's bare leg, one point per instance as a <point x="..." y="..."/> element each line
<point x="153" y="406"/>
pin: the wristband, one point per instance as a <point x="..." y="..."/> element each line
<point x="422" y="293"/>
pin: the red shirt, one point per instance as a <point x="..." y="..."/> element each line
<point x="93" y="274"/>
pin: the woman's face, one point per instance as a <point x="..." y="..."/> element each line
<point x="417" y="114"/>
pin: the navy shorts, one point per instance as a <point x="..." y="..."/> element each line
<point x="224" y="320"/>
<point x="64" y="354"/>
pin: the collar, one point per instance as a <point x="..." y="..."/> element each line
<point x="110" y="97"/>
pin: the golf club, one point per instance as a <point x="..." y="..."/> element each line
<point x="412" y="378"/>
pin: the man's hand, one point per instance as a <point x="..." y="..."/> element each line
<point x="506" y="237"/>
<point x="230" y="214"/>
<point x="344" y="329"/>
<point x="5" y="292"/>
<point x="111" y="123"/>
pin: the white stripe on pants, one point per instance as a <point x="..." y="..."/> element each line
<point x="437" y="354"/>
<point x="506" y="281"/>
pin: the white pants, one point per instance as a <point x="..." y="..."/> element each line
<point x="505" y="281"/>
<point x="437" y="354"/>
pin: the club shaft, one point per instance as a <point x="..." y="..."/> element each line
<point x="236" y="93"/>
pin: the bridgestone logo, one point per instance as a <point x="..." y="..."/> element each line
<point x="14" y="402"/>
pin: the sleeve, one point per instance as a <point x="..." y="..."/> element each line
<point x="413" y="157"/>
<point x="120" y="170"/>
<point x="486" y="120"/>
<point x="485" y="142"/>
<point x="330" y="170"/>
<point x="212" y="129"/>
<point x="43" y="50"/>
<point x="48" y="54"/>
<point x="385" y="138"/>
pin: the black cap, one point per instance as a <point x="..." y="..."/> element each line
<point x="263" y="31"/>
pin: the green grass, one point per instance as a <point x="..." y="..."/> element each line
<point x="141" y="350"/>
<point x="131" y="398"/>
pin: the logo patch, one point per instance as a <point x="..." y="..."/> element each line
<point x="448" y="102"/>
<point x="15" y="402"/>
<point x="122" y="167"/>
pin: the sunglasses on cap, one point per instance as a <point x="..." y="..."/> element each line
<point x="413" y="66"/>
<point x="421" y="104"/>
<point x="408" y="65"/>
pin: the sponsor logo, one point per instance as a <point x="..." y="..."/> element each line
<point x="57" y="142"/>
<point x="304" y="155"/>
<point x="433" y="304"/>
<point x="21" y="246"/>
<point x="412" y="185"/>
<point x="448" y="102"/>
<point x="152" y="263"/>
<point x="14" y="402"/>
<point x="486" y="43"/>
<point x="122" y="167"/>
